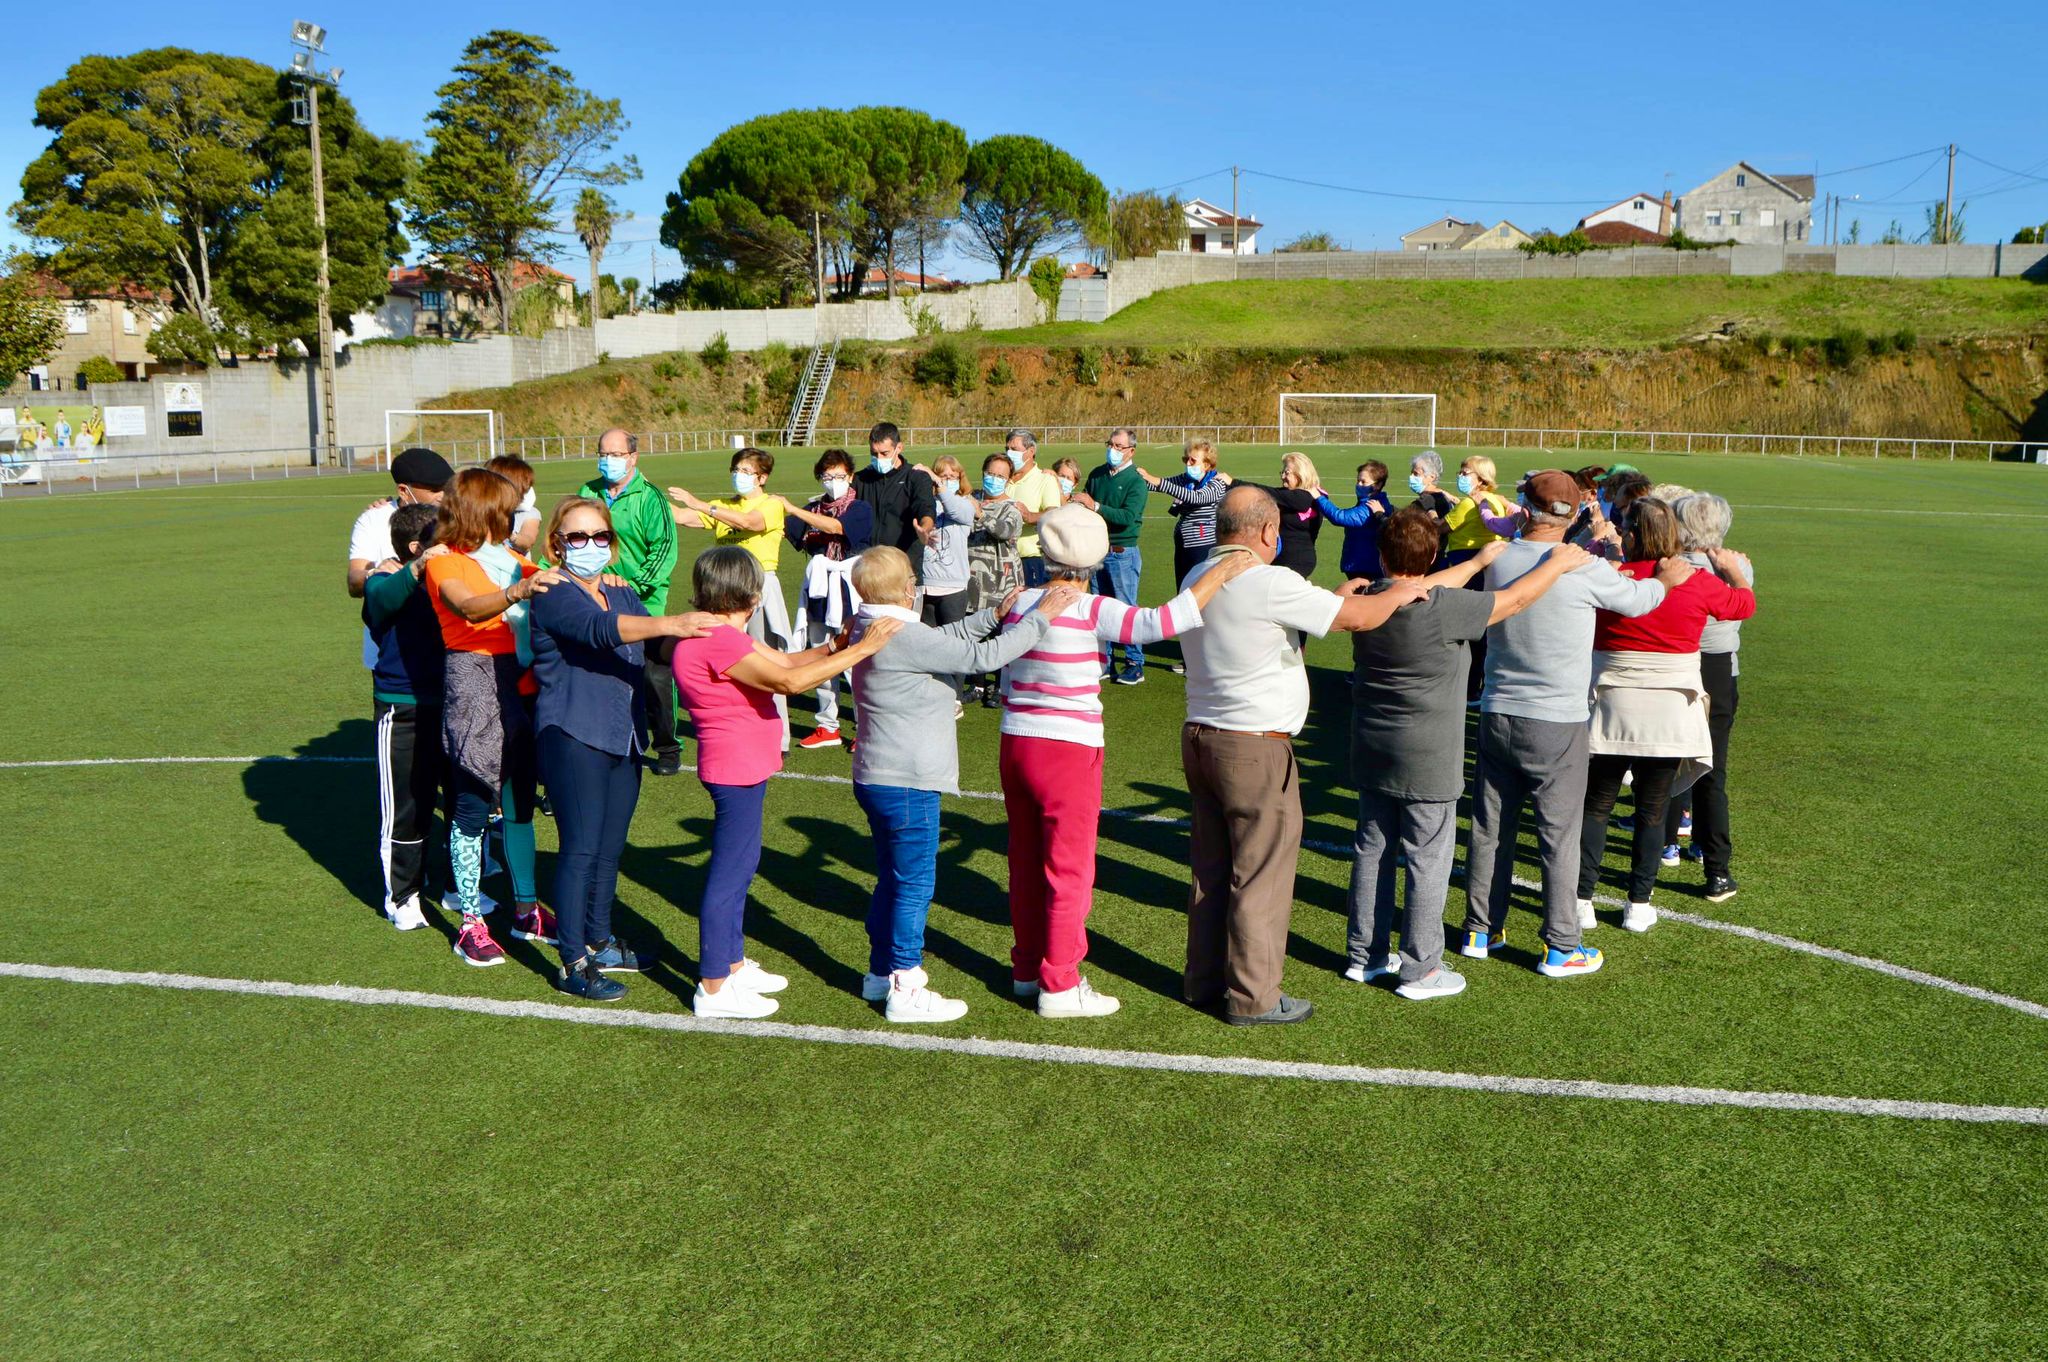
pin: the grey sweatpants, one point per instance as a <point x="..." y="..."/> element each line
<point x="1427" y="834"/>
<point x="1541" y="764"/>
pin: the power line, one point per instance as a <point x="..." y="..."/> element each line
<point x="1433" y="198"/>
<point x="1872" y="165"/>
<point x="2023" y="174"/>
<point x="1175" y="184"/>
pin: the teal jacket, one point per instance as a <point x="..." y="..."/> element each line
<point x="1120" y="500"/>
<point x="646" y="537"/>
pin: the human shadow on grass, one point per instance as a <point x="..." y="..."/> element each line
<point x="324" y="798"/>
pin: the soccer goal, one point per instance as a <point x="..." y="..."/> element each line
<point x="1400" y="419"/>
<point x="454" y="439"/>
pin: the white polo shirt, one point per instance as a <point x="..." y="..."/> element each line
<point x="1245" y="668"/>
<point x="371" y="539"/>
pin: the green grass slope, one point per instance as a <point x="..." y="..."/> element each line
<point x="1594" y="314"/>
<point x="191" y="1175"/>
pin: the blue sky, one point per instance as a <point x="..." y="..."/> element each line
<point x="1456" y="104"/>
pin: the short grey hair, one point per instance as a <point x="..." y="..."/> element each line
<point x="1070" y="572"/>
<point x="1245" y="510"/>
<point x="632" y="440"/>
<point x="1125" y="430"/>
<point x="1703" y="521"/>
<point x="725" y="579"/>
<point x="1429" y="460"/>
<point x="1029" y="440"/>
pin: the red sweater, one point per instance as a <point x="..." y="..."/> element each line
<point x="1676" y="625"/>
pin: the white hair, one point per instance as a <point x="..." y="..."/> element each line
<point x="1703" y="521"/>
<point x="1430" y="462"/>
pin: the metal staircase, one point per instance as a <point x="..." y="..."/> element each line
<point x="810" y="395"/>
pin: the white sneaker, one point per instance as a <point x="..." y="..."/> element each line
<point x="1389" y="963"/>
<point x="1079" y="1001"/>
<point x="1639" y="917"/>
<point x="1025" y="988"/>
<point x="874" y="987"/>
<point x="407" y="916"/>
<point x="1439" y="983"/>
<point x="1587" y="920"/>
<point x="732" y="1002"/>
<point x="911" y="1001"/>
<point x="751" y="977"/>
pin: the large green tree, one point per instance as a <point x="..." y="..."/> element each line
<point x="765" y="199"/>
<point x="31" y="322"/>
<point x="594" y="219"/>
<point x="182" y="172"/>
<point x="512" y="130"/>
<point x="1024" y="197"/>
<point x="1137" y="223"/>
<point x="914" y="164"/>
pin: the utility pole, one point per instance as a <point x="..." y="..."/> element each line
<point x="312" y="38"/>
<point x="818" y="255"/>
<point x="1948" y="200"/>
<point x="1233" y="210"/>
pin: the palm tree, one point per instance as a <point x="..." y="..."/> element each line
<point x="595" y="216"/>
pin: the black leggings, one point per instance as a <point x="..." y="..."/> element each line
<point x="1652" y="787"/>
<point x="1708" y="799"/>
<point x="940" y="611"/>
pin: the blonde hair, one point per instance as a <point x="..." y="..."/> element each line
<point x="882" y="575"/>
<point x="1482" y="469"/>
<point x="1670" y="493"/>
<point x="1203" y="450"/>
<point x="1297" y="463"/>
<point x="945" y="461"/>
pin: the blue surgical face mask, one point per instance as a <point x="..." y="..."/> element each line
<point x="1416" y="484"/>
<point x="742" y="482"/>
<point x="1197" y="474"/>
<point x="1066" y="487"/>
<point x="1464" y="484"/>
<point x="994" y="484"/>
<point x="589" y="561"/>
<point x="611" y="468"/>
<point x="885" y="463"/>
<point x="950" y="486"/>
<point x="1116" y="457"/>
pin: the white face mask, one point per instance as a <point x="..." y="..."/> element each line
<point x="835" y="488"/>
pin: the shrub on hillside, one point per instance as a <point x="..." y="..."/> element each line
<point x="1088" y="367"/>
<point x="1046" y="278"/>
<point x="1574" y="242"/>
<point x="717" y="352"/>
<point x="1000" y="374"/>
<point x="669" y="368"/>
<point x="946" y="364"/>
<point x="857" y="354"/>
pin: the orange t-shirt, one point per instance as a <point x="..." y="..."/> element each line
<point x="458" y="635"/>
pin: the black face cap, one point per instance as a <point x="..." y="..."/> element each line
<point x="417" y="467"/>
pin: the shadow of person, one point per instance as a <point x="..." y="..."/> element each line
<point x="323" y="796"/>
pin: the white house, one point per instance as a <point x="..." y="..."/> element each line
<point x="1213" y="231"/>
<point x="1650" y="212"/>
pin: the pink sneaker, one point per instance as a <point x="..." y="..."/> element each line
<point x="473" y="945"/>
<point x="535" y="924"/>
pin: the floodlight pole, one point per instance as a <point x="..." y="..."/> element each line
<point x="327" y="422"/>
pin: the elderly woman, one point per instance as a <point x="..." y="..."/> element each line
<point x="729" y="681"/>
<point x="1703" y="521"/>
<point x="1482" y="514"/>
<point x="1068" y="473"/>
<point x="1300" y="519"/>
<point x="590" y="719"/>
<point x="1195" y="492"/>
<point x="751" y="518"/>
<point x="1051" y="755"/>
<point x="994" y="567"/>
<point x="830" y="530"/>
<point x="1361" y="521"/>
<point x="480" y="591"/>
<point x="1649" y="702"/>
<point x="908" y="757"/>
<point x="945" y="550"/>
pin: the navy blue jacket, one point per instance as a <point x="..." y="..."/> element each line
<point x="591" y="684"/>
<point x="410" y="660"/>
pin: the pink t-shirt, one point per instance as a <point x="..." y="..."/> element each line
<point x="739" y="734"/>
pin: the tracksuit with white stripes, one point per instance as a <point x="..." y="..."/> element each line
<point x="406" y="686"/>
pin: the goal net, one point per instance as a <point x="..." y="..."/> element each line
<point x="467" y="436"/>
<point x="1406" y="420"/>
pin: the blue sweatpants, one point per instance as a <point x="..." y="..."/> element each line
<point x="735" y="856"/>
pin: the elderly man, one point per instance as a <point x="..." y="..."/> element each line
<point x="1036" y="491"/>
<point x="1247" y="698"/>
<point x="419" y="477"/>
<point x="1116" y="492"/>
<point x="645" y="534"/>
<point x="1532" y="728"/>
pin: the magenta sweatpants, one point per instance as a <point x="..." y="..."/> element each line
<point x="1052" y="793"/>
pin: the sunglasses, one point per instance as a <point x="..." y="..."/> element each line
<point x="579" y="539"/>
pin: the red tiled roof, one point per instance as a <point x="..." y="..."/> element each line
<point x="1622" y="234"/>
<point x="407" y="278"/>
<point x="1083" y="270"/>
<point x="50" y="286"/>
<point x="876" y="276"/>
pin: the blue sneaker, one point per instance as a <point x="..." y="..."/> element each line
<point x="1559" y="964"/>
<point x="1478" y="944"/>
<point x="1670" y="856"/>
<point x="1691" y="854"/>
<point x="614" y="957"/>
<point x="1623" y="823"/>
<point x="584" y="981"/>
<point x="1132" y="674"/>
<point x="1685" y="825"/>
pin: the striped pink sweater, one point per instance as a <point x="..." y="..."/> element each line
<point x="1055" y="690"/>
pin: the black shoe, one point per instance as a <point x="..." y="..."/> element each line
<point x="992" y="697"/>
<point x="545" y="805"/>
<point x="613" y="956"/>
<point x="585" y="981"/>
<point x="969" y="694"/>
<point x="1720" y="888"/>
<point x="1285" y="1011"/>
<point x="668" y="764"/>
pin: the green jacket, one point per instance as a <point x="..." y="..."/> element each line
<point x="646" y="537"/>
<point x="1120" y="500"/>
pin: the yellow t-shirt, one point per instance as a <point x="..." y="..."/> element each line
<point x="1468" y="531"/>
<point x="765" y="543"/>
<point x="1037" y="492"/>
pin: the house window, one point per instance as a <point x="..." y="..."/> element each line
<point x="1767" y="217"/>
<point x="431" y="299"/>
<point x="1735" y="217"/>
<point x="127" y="321"/>
<point x="1639" y="205"/>
<point x="1742" y="181"/>
<point x="76" y="317"/>
<point x="1198" y="242"/>
<point x="1713" y="217"/>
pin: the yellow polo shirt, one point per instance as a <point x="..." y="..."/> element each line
<point x="1037" y="492"/>
<point x="766" y="543"/>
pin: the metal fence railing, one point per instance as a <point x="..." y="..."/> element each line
<point x="107" y="472"/>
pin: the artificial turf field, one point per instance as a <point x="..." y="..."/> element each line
<point x="196" y="1175"/>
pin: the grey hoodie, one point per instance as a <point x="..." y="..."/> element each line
<point x="904" y="695"/>
<point x="1539" y="664"/>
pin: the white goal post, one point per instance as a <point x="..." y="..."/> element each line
<point x="458" y="451"/>
<point x="1407" y="419"/>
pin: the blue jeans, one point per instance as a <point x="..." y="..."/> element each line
<point x="1119" y="579"/>
<point x="735" y="856"/>
<point x="1034" y="571"/>
<point x="594" y="794"/>
<point x="905" y="823"/>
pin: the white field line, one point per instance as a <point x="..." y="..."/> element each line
<point x="1333" y="850"/>
<point x="1892" y="510"/>
<point x="1204" y="1065"/>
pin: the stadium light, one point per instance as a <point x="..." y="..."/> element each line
<point x="302" y="63"/>
<point x="312" y="37"/>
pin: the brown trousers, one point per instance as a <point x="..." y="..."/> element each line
<point x="1246" y="840"/>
